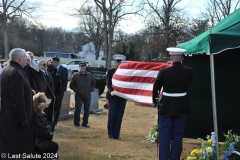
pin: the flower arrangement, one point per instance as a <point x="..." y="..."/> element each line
<point x="207" y="150"/>
<point x="153" y="134"/>
<point x="229" y="150"/>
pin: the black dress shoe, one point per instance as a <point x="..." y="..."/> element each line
<point x="77" y="125"/>
<point x="85" y="125"/>
<point x="114" y="138"/>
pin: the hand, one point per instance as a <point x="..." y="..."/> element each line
<point x="113" y="93"/>
<point x="154" y="104"/>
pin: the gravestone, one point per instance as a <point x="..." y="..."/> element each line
<point x="94" y="101"/>
<point x="64" y="112"/>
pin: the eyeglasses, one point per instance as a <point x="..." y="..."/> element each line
<point x="82" y="65"/>
<point x="44" y="65"/>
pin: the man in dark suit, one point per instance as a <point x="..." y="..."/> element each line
<point x="49" y="90"/>
<point x="16" y="115"/>
<point x="174" y="104"/>
<point x="63" y="72"/>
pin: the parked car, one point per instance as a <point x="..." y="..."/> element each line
<point x="74" y="65"/>
<point x="35" y="61"/>
<point x="99" y="75"/>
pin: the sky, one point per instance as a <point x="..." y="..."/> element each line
<point x="55" y="13"/>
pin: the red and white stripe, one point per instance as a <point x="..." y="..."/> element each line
<point x="134" y="80"/>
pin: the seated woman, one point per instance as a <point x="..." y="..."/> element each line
<point x="43" y="128"/>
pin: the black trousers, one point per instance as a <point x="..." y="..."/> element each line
<point x="51" y="149"/>
<point x="57" y="107"/>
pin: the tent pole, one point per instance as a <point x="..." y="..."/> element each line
<point x="214" y="102"/>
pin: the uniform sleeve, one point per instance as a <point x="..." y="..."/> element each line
<point x="157" y="87"/>
<point x="109" y="80"/>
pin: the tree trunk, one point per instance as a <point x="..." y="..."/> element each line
<point x="6" y="45"/>
<point x="110" y="49"/>
<point x="106" y="37"/>
<point x="5" y="31"/>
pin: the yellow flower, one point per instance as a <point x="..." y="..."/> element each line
<point x="194" y="152"/>
<point x="209" y="141"/>
<point x="209" y="149"/>
<point x="199" y="151"/>
<point x="191" y="158"/>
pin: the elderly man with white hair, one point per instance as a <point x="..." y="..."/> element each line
<point x="32" y="63"/>
<point x="16" y="115"/>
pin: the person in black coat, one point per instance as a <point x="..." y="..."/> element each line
<point x="29" y="72"/>
<point x="57" y="90"/>
<point x="43" y="128"/>
<point x="174" y="105"/>
<point x="49" y="90"/>
<point x="63" y="72"/>
<point x="16" y="115"/>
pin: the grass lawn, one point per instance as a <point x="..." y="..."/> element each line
<point x="93" y="143"/>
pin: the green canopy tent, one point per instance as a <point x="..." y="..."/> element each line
<point x="225" y="35"/>
<point x="223" y="102"/>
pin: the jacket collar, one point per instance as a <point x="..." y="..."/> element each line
<point x="15" y="64"/>
<point x="176" y="63"/>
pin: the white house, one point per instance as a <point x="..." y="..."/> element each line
<point x="88" y="52"/>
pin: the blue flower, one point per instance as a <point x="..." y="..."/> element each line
<point x="229" y="151"/>
<point x="214" y="152"/>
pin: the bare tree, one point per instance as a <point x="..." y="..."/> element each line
<point x="91" y="23"/>
<point x="11" y="9"/>
<point x="128" y="45"/>
<point x="113" y="12"/>
<point x="166" y="23"/>
<point x="199" y="26"/>
<point x="216" y="10"/>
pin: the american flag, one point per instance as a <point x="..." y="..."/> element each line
<point x="134" y="80"/>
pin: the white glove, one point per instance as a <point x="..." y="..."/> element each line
<point x="154" y="104"/>
<point x="113" y="93"/>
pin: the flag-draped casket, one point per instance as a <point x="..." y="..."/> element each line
<point x="134" y="80"/>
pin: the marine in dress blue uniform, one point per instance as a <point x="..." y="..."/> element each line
<point x="116" y="104"/>
<point x="174" y="82"/>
